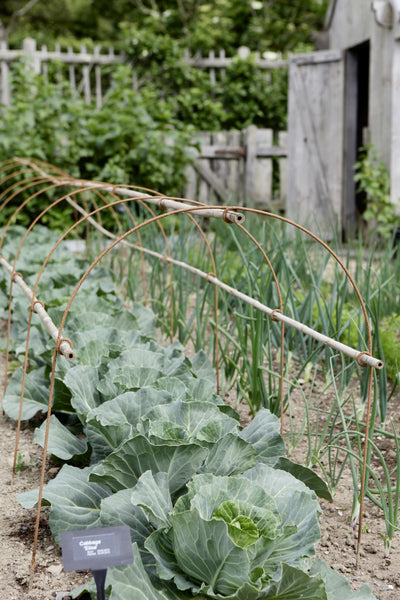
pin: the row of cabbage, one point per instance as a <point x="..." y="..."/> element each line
<point x="215" y="510"/>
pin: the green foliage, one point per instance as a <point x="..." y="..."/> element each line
<point x="21" y="463"/>
<point x="373" y="179"/>
<point x="141" y="137"/>
<point x="256" y="536"/>
<point x="129" y="140"/>
<point x="154" y="35"/>
<point x="389" y="332"/>
<point x="279" y="25"/>
<point x="251" y="96"/>
<point x="45" y="21"/>
<point x="134" y="139"/>
<point x="242" y="95"/>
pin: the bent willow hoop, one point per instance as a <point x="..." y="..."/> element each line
<point x="132" y="211"/>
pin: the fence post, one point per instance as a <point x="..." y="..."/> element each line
<point x="86" y="77"/>
<point x="32" y="58"/>
<point x="71" y="70"/>
<point x="283" y="175"/>
<point x="97" y="73"/>
<point x="213" y="80"/>
<point x="258" y="170"/>
<point x="4" y="82"/>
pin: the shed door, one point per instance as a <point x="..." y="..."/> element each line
<point x="315" y="153"/>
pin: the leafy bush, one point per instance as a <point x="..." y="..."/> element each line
<point x="372" y="178"/>
<point x="129" y="139"/>
<point x="244" y="94"/>
<point x="275" y="25"/>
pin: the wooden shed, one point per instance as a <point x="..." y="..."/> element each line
<point x="340" y="99"/>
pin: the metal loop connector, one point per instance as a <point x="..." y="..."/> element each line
<point x="272" y="315"/>
<point x="37" y="302"/>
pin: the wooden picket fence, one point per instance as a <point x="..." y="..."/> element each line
<point x="89" y="73"/>
<point x="85" y="71"/>
<point x="247" y="166"/>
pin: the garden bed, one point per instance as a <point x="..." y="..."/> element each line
<point x="117" y="342"/>
<point x="337" y="544"/>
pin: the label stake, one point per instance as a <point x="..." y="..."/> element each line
<point x="96" y="549"/>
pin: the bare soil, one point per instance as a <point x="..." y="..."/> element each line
<point x="337" y="545"/>
<point x="17" y="525"/>
<point x="338" y="542"/>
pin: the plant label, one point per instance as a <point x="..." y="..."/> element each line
<point x="96" y="548"/>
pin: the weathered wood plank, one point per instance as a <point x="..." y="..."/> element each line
<point x="350" y="144"/>
<point x="314" y="58"/>
<point x="237" y="166"/>
<point x="235" y="169"/>
<point x="222" y="151"/>
<point x="213" y="181"/>
<point x="190" y="191"/>
<point x="203" y="186"/>
<point x="218" y="62"/>
<point x="97" y="74"/>
<point x="234" y="151"/>
<point x="32" y="55"/>
<point x="310" y="134"/>
<point x="283" y="170"/>
<point x="265" y="151"/>
<point x="395" y="139"/>
<point x="218" y="164"/>
<point x="258" y="170"/>
<point x="4" y="78"/>
<point x="85" y="83"/>
<point x="315" y="156"/>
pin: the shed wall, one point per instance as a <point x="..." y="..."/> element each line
<point x="316" y="142"/>
<point x="380" y="92"/>
<point x="395" y="129"/>
<point x="350" y="24"/>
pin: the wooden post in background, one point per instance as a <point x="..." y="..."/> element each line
<point x="258" y="170"/>
<point x="4" y="81"/>
<point x="85" y="77"/>
<point x="283" y="174"/>
<point x="33" y="59"/>
<point x="395" y="141"/>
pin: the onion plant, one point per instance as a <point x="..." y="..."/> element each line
<point x="314" y="291"/>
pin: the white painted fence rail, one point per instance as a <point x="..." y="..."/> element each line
<point x="84" y="69"/>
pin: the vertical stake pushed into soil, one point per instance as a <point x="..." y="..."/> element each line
<point x="364" y="464"/>
<point x="99" y="577"/>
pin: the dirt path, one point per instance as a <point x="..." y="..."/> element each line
<point x="17" y="524"/>
<point x="338" y="538"/>
<point x="338" y="544"/>
<point x="17" y="527"/>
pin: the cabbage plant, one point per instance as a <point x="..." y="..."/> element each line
<point x="232" y="537"/>
<point x="242" y="537"/>
<point x="214" y="510"/>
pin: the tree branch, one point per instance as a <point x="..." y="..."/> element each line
<point x="5" y="31"/>
<point x="22" y="11"/>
